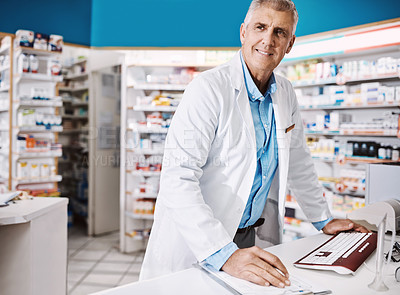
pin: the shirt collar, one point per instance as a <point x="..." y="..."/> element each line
<point x="252" y="90"/>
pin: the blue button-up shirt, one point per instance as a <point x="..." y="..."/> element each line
<point x="267" y="160"/>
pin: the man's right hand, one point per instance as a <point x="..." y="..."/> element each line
<point x="257" y="266"/>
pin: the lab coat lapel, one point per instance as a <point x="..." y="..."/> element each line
<point x="242" y="99"/>
<point x="282" y="121"/>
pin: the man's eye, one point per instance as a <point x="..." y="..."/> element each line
<point x="260" y="27"/>
<point x="281" y="33"/>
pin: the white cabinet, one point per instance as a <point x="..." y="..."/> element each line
<point x="33" y="249"/>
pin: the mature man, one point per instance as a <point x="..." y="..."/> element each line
<point x="235" y="143"/>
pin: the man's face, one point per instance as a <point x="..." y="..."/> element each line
<point x="266" y="39"/>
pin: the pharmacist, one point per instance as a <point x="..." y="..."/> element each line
<point x="235" y="144"/>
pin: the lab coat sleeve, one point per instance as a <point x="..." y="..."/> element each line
<point x="302" y="177"/>
<point x="188" y="144"/>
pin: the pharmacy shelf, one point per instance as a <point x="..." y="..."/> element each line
<point x="335" y="80"/>
<point x="136" y="237"/>
<point x="144" y="129"/>
<point x="142" y="195"/>
<point x="139" y="216"/>
<point x="38" y="103"/>
<point x="76" y="62"/>
<point x="146" y="151"/>
<point x="39" y="52"/>
<point x="4" y="49"/>
<point x="29" y="155"/>
<point x="151" y="108"/>
<point x="77" y="117"/>
<point x="76" y="103"/>
<point x="56" y="178"/>
<point x="71" y="131"/>
<point x="4" y="89"/>
<point x="4" y="68"/>
<point x="176" y="65"/>
<point x="355" y="132"/>
<point x="4" y="109"/>
<point x="304" y="229"/>
<point x="81" y="76"/>
<point x="147" y="86"/>
<point x="70" y="89"/>
<point x="38" y="77"/>
<point x="335" y="213"/>
<point x="351" y="160"/>
<point x="39" y="129"/>
<point x="345" y="107"/>
<point x="144" y="173"/>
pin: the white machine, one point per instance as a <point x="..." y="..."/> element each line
<point x="372" y="214"/>
<point x="382" y="182"/>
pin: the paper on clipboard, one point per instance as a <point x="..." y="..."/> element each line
<point x="298" y="286"/>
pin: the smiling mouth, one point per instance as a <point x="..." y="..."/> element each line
<point x="264" y="52"/>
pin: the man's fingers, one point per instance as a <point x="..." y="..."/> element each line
<point x="269" y="274"/>
<point x="360" y="228"/>
<point x="254" y="278"/>
<point x="257" y="266"/>
<point x="272" y="260"/>
<point x="337" y="225"/>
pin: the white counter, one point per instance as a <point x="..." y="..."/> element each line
<point x="33" y="247"/>
<point x="195" y="281"/>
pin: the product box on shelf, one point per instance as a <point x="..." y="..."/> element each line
<point x="24" y="38"/>
<point x="54" y="67"/>
<point x="41" y="41"/>
<point x="55" y="43"/>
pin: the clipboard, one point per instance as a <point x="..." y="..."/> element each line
<point x="241" y="287"/>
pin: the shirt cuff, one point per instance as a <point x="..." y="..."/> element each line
<point x="218" y="259"/>
<point x="321" y="224"/>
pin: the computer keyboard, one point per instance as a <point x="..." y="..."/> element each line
<point x="343" y="253"/>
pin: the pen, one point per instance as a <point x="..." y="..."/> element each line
<point x="301" y="292"/>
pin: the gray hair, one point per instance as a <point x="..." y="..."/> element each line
<point x="279" y="5"/>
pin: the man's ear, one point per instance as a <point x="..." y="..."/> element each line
<point x="291" y="43"/>
<point x="242" y="32"/>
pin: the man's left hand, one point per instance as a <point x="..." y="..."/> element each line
<point x="338" y="225"/>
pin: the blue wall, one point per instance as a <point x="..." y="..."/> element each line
<point x="174" y="23"/>
<point x="69" y="18"/>
<point x="215" y="23"/>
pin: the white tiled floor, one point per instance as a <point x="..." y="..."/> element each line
<point x="95" y="263"/>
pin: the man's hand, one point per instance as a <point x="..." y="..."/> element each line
<point x="338" y="225"/>
<point x="257" y="266"/>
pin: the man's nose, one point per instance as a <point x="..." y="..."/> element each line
<point x="268" y="38"/>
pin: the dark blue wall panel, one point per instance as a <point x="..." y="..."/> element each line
<point x="215" y="23"/>
<point x="191" y="23"/>
<point x="69" y="18"/>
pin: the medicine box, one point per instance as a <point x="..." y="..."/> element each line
<point x="55" y="43"/>
<point x="40" y="41"/>
<point x="24" y="38"/>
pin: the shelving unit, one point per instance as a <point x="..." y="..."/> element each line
<point x="6" y="66"/>
<point x="143" y="148"/>
<point x="75" y="136"/>
<point x="343" y="111"/>
<point x="35" y="121"/>
<point x="151" y="90"/>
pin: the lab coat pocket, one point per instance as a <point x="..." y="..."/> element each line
<point x="283" y="139"/>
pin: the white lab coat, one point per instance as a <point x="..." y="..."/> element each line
<point x="209" y="166"/>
